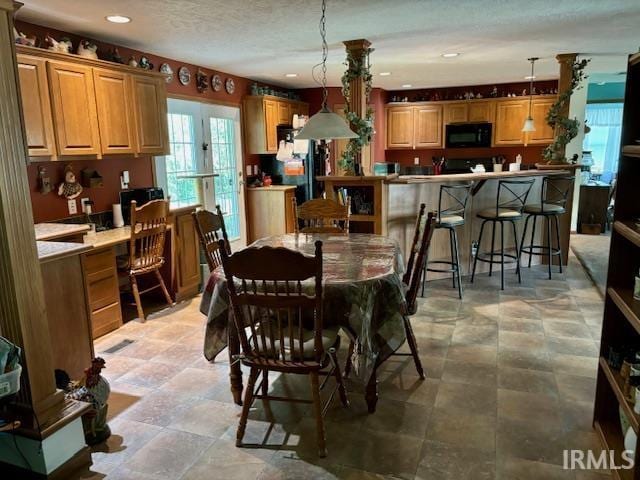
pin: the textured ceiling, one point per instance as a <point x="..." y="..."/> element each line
<point x="264" y="39"/>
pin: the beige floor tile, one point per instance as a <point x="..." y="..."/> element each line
<point x="462" y="429"/>
<point x="449" y="462"/>
<point x="529" y="440"/>
<point x="465" y="335"/>
<point x="574" y="365"/>
<point x="151" y="374"/>
<point x="527" y="358"/>
<point x="470" y="373"/>
<point x="561" y="328"/>
<point x="576" y="388"/>
<point x="207" y="418"/>
<point x="518" y="340"/>
<point x="459" y="397"/>
<point x="528" y="407"/>
<point x="521" y="469"/>
<point x="484" y="354"/>
<point x="397" y="417"/>
<point x="573" y="346"/>
<point x="526" y="380"/>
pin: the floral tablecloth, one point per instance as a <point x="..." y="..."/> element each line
<point x="362" y="292"/>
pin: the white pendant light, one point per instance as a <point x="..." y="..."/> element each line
<point x="325" y="125"/>
<point x="529" y="126"/>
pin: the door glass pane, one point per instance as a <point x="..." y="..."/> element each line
<point x="223" y="152"/>
<point x="182" y="160"/>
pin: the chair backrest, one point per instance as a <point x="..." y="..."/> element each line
<point x="321" y="216"/>
<point x="556" y="190"/>
<point x="211" y="229"/>
<point x="418" y="256"/>
<point x="453" y="199"/>
<point x="512" y="194"/>
<point x="148" y="229"/>
<point x="267" y="296"/>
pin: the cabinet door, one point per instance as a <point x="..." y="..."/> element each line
<point x="456" y="112"/>
<point x="510" y="117"/>
<point x="400" y="127"/>
<point x="74" y="108"/>
<point x="428" y="126"/>
<point x="482" y="111"/>
<point x="36" y="106"/>
<point x="285" y="113"/>
<point x="188" y="254"/>
<point x="115" y="116"/>
<point x="150" y="100"/>
<point x="544" y="133"/>
<point x="270" y="125"/>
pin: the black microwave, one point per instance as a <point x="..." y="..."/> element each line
<point x="141" y="196"/>
<point x="468" y="135"/>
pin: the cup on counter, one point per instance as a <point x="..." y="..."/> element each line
<point x="514" y="167"/>
<point x="497" y="167"/>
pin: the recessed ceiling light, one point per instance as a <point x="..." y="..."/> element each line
<point x="384" y="74"/>
<point x="450" y="55"/>
<point x="407" y="85"/>
<point x="530" y="77"/>
<point x="291" y="75"/>
<point x="117" y="19"/>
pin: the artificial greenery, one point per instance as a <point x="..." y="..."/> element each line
<point x="566" y="129"/>
<point x="357" y="68"/>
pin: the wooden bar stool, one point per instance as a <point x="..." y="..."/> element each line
<point x="320" y="215"/>
<point x="553" y="202"/>
<point x="510" y="201"/>
<point x="210" y="227"/>
<point x="146" y="248"/>
<point x="452" y="204"/>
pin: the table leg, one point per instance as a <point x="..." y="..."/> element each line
<point x="371" y="393"/>
<point x="235" y="370"/>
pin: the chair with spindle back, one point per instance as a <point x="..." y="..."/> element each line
<point x="210" y="227"/>
<point x="321" y="215"/>
<point x="146" y="248"/>
<point x="284" y="317"/>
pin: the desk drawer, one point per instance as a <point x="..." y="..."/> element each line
<point x="106" y="320"/>
<point x="103" y="289"/>
<point x="100" y="260"/>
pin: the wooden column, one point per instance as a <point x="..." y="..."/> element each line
<point x="23" y="317"/>
<point x="358" y="102"/>
<point x="566" y="61"/>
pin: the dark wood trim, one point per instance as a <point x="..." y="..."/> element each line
<point x="79" y="462"/>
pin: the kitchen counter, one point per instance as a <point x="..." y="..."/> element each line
<point x="465" y="177"/>
<point x="50" y="231"/>
<point x="48" y="251"/>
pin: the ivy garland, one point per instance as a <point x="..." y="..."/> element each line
<point x="566" y="129"/>
<point x="357" y="68"/>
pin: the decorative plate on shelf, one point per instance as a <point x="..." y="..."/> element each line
<point x="216" y="83"/>
<point x="167" y="70"/>
<point x="230" y="85"/>
<point x="184" y="75"/>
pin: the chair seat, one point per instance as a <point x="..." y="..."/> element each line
<point x="123" y="263"/>
<point x="546" y="209"/>
<point x="449" y="221"/>
<point x="502" y="213"/>
<point x="329" y="339"/>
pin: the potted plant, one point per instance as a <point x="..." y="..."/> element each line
<point x="565" y="128"/>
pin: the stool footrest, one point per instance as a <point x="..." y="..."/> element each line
<point x="487" y="257"/>
<point x="542" y="250"/>
<point x="453" y="269"/>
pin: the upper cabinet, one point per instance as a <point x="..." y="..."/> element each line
<point x="456" y="112"/>
<point x="510" y="117"/>
<point x="482" y="111"/>
<point x="36" y="106"/>
<point x="400" y="127"/>
<point x="150" y="101"/>
<point x="115" y="118"/>
<point x="262" y="115"/>
<point x="79" y="107"/>
<point x="414" y="126"/>
<point x="544" y="133"/>
<point x="74" y="108"/>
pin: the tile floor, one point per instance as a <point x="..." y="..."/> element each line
<point x="511" y="379"/>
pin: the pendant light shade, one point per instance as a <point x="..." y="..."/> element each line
<point x="325" y="125"/>
<point x="529" y="126"/>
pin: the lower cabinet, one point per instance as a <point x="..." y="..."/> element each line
<point x="101" y="278"/>
<point x="270" y="211"/>
<point x="187" y="252"/>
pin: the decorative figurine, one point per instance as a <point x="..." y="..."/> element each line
<point x="87" y="49"/>
<point x="202" y="81"/>
<point x="494" y="92"/>
<point x="132" y="61"/>
<point x="167" y="70"/>
<point x="62" y="46"/>
<point x="114" y="56"/>
<point x="22" y="39"/>
<point x="44" y="182"/>
<point x="70" y="188"/>
<point x="524" y="92"/>
<point x="145" y="63"/>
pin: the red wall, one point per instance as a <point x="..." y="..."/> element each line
<point x="530" y="155"/>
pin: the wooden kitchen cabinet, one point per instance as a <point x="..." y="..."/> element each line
<point x="456" y="112"/>
<point x="482" y="111"/>
<point x="115" y="116"/>
<point x="187" y="279"/>
<point x="150" y="101"/>
<point x="101" y="279"/>
<point x="285" y="113"/>
<point x="270" y="211"/>
<point x="74" y="108"/>
<point x="428" y="127"/>
<point x="36" y="106"/>
<point x="400" y="127"/>
<point x="544" y="133"/>
<point x="510" y="117"/>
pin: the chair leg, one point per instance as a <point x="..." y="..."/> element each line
<point x="136" y="296"/>
<point x="515" y="239"/>
<point x="524" y="235"/>
<point x="558" y="240"/>
<point x="533" y="236"/>
<point x="424" y="278"/>
<point x="493" y="247"/>
<point x="248" y="400"/>
<point x="455" y="245"/>
<point x="265" y="382"/>
<point x="317" y="406"/>
<point x="342" y="391"/>
<point x="475" y="259"/>
<point x="348" y="363"/>
<point x="549" y="244"/>
<point x="413" y="346"/>
<point x="163" y="287"/>
<point x="501" y="255"/>
<point x="451" y="248"/>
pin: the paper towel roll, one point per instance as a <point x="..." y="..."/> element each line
<point x="118" y="221"/>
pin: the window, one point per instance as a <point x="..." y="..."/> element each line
<point x="605" y="121"/>
<point x="224" y="164"/>
<point x="182" y="160"/>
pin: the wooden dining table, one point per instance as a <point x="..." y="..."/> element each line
<point x="363" y="293"/>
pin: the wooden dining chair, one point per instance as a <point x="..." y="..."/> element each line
<point x="210" y="227"/>
<point x="411" y="279"/>
<point x="285" y="324"/>
<point x="320" y="215"/>
<point x="146" y="248"/>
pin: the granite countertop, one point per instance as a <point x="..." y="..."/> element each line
<point x="50" y="231"/>
<point x="108" y="238"/>
<point x="462" y="177"/>
<point x="48" y="251"/>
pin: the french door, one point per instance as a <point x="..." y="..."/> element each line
<point x="205" y="164"/>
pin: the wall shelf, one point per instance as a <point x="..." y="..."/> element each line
<point x="627" y="306"/>
<point x="617" y="384"/>
<point x="628" y="231"/>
